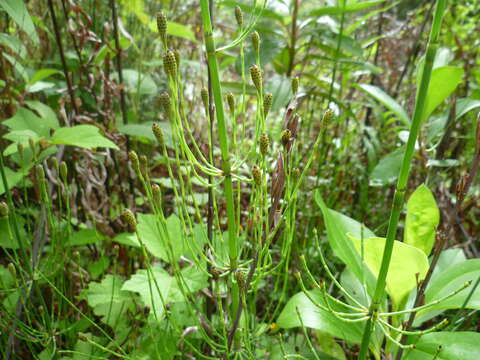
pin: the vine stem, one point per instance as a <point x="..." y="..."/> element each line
<point x="399" y="196"/>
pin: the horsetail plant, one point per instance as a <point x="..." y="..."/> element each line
<point x="399" y="196"/>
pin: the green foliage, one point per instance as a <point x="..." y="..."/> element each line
<point x="423" y="217"/>
<point x="446" y="346"/>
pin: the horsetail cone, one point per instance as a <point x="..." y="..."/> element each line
<point x="129" y="219"/>
<point x="53" y="163"/>
<point x="157" y="194"/>
<point x="177" y="57"/>
<point x="12" y="270"/>
<point x="239" y="16"/>
<point x="157" y="131"/>
<point x="165" y="103"/>
<point x="40" y="172"/>
<point x="267" y="103"/>
<point x="295" y="84"/>
<point x="240" y="279"/>
<point x="286" y="137"/>
<point x="144" y="164"/>
<point x="170" y="64"/>
<point x="327" y="116"/>
<point x="31" y="143"/>
<point x="3" y="210"/>
<point x="264" y="144"/>
<point x="257" y="175"/>
<point x="162" y="25"/>
<point x="63" y="171"/>
<point x="256" y="75"/>
<point x="132" y="155"/>
<point x="231" y="102"/>
<point x="256" y="42"/>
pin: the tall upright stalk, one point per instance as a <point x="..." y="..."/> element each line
<point x="222" y="131"/>
<point x="399" y="196"/>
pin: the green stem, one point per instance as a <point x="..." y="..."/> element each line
<point x="399" y="196"/>
<point x="222" y="130"/>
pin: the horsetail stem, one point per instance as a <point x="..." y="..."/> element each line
<point x="403" y="175"/>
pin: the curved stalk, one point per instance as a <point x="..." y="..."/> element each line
<point x="399" y="196"/>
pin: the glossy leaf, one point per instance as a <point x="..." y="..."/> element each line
<point x="316" y="318"/>
<point x="408" y="264"/>
<point x="281" y="89"/>
<point x="463" y="345"/>
<point x="85" y="136"/>
<point x="423" y="217"/>
<point x="379" y="95"/>
<point x="444" y="81"/>
<point x="387" y="169"/>
<point x="450" y="280"/>
<point x="338" y="226"/>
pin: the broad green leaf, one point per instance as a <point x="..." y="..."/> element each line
<point x="462" y="345"/>
<point x="387" y="169"/>
<point x="40" y="86"/>
<point x="13" y="178"/>
<point x="379" y="95"/>
<point x="316" y="318"/>
<point x="17" y="66"/>
<point x="8" y="239"/>
<point x="338" y="226"/>
<point x="155" y="240"/>
<point x="281" y="89"/>
<point x="17" y="10"/>
<point x="160" y="286"/>
<point x="465" y="105"/>
<point x="85" y="136"/>
<point x="84" y="237"/>
<point x="42" y="74"/>
<point x="25" y="119"/>
<point x="152" y="288"/>
<point x="422" y="219"/>
<point x="144" y="130"/>
<point x="450" y="280"/>
<point x="108" y="300"/>
<point x="329" y="346"/>
<point x="271" y="46"/>
<point x="448" y="258"/>
<point x="14" y="43"/>
<point x="443" y="83"/>
<point x="355" y="288"/>
<point x="45" y="112"/>
<point x="19" y="137"/>
<point x="338" y="10"/>
<point x="407" y="266"/>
